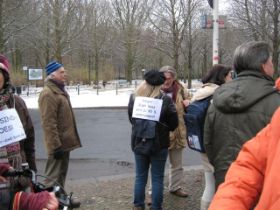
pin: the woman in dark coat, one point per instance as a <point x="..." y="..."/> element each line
<point x="168" y="121"/>
<point x="23" y="151"/>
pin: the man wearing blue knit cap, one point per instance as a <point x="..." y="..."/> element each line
<point x="52" y="67"/>
<point x="59" y="125"/>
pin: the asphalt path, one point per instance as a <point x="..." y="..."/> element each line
<point x="105" y="136"/>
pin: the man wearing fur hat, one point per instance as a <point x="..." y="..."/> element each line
<point x="23" y="151"/>
<point x="58" y="123"/>
<point x="173" y="88"/>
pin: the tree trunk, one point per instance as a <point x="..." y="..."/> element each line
<point x="1" y="27"/>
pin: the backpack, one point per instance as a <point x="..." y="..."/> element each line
<point x="194" y="118"/>
<point x="144" y="137"/>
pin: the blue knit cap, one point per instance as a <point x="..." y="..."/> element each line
<point x="52" y="67"/>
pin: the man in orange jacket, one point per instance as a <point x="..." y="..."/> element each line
<point x="252" y="181"/>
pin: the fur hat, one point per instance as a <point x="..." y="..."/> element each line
<point x="154" y="77"/>
<point x="4" y="64"/>
<point x="52" y="67"/>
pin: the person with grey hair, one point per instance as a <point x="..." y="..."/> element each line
<point x="59" y="125"/>
<point x="176" y="91"/>
<point x="240" y="108"/>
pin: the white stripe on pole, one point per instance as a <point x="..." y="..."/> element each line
<point x="215" y="32"/>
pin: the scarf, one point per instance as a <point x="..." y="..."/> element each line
<point x="173" y="89"/>
<point x="9" y="153"/>
<point x="5" y="95"/>
<point x="60" y="85"/>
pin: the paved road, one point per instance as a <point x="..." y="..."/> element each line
<point x="105" y="135"/>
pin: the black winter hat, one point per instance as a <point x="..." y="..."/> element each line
<point x="154" y="77"/>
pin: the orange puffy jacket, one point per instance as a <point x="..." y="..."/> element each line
<point x="253" y="180"/>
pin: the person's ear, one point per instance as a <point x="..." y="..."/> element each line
<point x="263" y="67"/>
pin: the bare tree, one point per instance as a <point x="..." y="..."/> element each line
<point x="191" y="37"/>
<point x="15" y="18"/>
<point x="130" y="19"/>
<point x="62" y="23"/>
<point x="170" y="19"/>
<point x="260" y="20"/>
<point x="98" y="24"/>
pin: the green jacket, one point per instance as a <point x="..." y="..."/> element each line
<point x="239" y="110"/>
<point x="58" y="120"/>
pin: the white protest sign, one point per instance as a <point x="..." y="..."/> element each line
<point x="11" y="129"/>
<point x="147" y="108"/>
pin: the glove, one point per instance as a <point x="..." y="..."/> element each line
<point x="33" y="200"/>
<point x="4" y="168"/>
<point x="58" y="153"/>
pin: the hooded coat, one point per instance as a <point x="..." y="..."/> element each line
<point x="240" y="109"/>
<point x="253" y="179"/>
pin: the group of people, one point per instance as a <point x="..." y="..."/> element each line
<point x="240" y="108"/>
<point x="60" y="135"/>
<point x="239" y="174"/>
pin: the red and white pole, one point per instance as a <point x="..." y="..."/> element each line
<point x="215" y="32"/>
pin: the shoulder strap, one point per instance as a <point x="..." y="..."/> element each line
<point x="161" y="95"/>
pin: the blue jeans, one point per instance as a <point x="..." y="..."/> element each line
<point x="142" y="163"/>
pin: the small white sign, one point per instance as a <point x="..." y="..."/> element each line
<point x="11" y="129"/>
<point x="25" y="68"/>
<point x="147" y="108"/>
<point x="35" y="74"/>
<point x="194" y="142"/>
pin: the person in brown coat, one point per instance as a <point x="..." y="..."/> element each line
<point x="58" y="123"/>
<point x="175" y="90"/>
<point x="23" y="151"/>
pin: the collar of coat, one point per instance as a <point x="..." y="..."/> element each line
<point x="55" y="88"/>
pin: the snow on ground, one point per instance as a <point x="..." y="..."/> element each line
<point x="88" y="98"/>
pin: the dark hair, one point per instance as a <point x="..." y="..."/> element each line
<point x="250" y="56"/>
<point x="217" y="74"/>
<point x="154" y="77"/>
<point x="6" y="78"/>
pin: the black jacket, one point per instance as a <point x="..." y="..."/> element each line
<point x="168" y="120"/>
